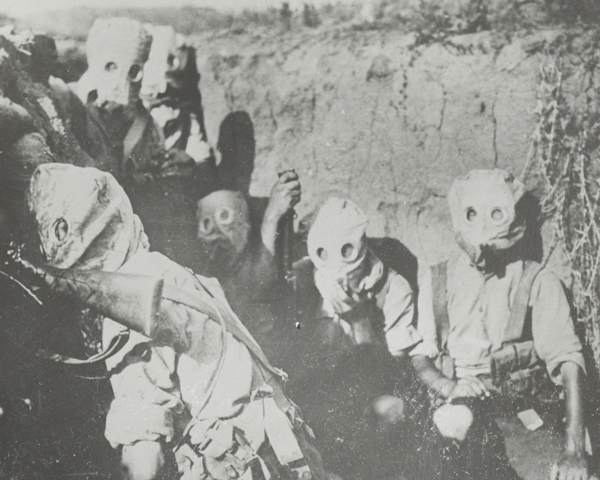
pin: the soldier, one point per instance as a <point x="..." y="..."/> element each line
<point x="244" y="258"/>
<point x="356" y="333"/>
<point x="171" y="94"/>
<point x="190" y="383"/>
<point x="503" y="327"/>
<point x="43" y="66"/>
<point x="124" y="139"/>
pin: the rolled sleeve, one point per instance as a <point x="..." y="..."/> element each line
<point x="554" y="335"/>
<point x="399" y="313"/>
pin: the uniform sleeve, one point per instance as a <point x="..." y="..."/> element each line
<point x="399" y="314"/>
<point x="425" y="318"/>
<point x="178" y="326"/>
<point x="254" y="277"/>
<point x="554" y="335"/>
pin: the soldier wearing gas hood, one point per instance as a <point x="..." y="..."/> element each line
<point x="126" y="141"/>
<point x="504" y="328"/>
<point x="192" y="386"/>
<point x="357" y="318"/>
<point x="241" y="255"/>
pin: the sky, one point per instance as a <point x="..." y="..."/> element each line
<point x="23" y="7"/>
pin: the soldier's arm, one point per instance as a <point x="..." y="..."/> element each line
<point x="572" y="463"/>
<point x="255" y="272"/>
<point x="434" y="380"/>
<point x="284" y="196"/>
<point x="431" y="377"/>
<point x="557" y="344"/>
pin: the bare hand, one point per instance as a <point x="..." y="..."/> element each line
<point x="198" y="149"/>
<point x="285" y="195"/>
<point x="469" y="387"/>
<point x="14" y="252"/>
<point x="178" y="164"/>
<point x="570" y="466"/>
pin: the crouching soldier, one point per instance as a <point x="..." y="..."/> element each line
<point x="191" y="386"/>
<point x="356" y="333"/>
<point x="503" y="327"/>
<point x="244" y="258"/>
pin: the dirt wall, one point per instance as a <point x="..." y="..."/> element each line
<point x="370" y="115"/>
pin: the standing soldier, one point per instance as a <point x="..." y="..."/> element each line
<point x="170" y="92"/>
<point x="126" y="141"/>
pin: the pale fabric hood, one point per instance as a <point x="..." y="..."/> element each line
<point x="483" y="209"/>
<point x="83" y="218"/>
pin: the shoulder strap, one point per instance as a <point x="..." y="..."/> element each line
<point x="382" y="287"/>
<point x="97" y="121"/>
<point x="520" y="307"/>
<point x="218" y="311"/>
<point x="135" y="133"/>
<point x="439" y="297"/>
<point x="222" y="313"/>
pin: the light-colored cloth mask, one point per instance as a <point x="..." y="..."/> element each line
<point x="483" y="209"/>
<point x="223" y="227"/>
<point x="336" y="240"/>
<point x="345" y="267"/>
<point x="83" y="218"/>
<point x="117" y="49"/>
<point x="161" y="59"/>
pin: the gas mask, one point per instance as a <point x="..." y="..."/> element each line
<point x="117" y="49"/>
<point x="170" y="72"/>
<point x="182" y="75"/>
<point x="83" y="218"/>
<point x="336" y="240"/>
<point x="162" y="58"/>
<point x="223" y="227"/>
<point x="484" y="216"/>
<point x="345" y="267"/>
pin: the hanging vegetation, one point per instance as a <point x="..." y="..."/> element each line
<point x="565" y="149"/>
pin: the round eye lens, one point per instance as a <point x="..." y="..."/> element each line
<point x="322" y="254"/>
<point x="224" y="216"/>
<point x="110" y="67"/>
<point x="206" y="224"/>
<point x="471" y="214"/>
<point x="497" y="214"/>
<point x="173" y="62"/>
<point x="347" y="250"/>
<point x="135" y="73"/>
<point x="61" y="229"/>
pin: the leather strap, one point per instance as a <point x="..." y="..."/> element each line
<point x="116" y="344"/>
<point x="217" y="311"/>
<point x="134" y="135"/>
<point x="439" y="294"/>
<point x="520" y="308"/>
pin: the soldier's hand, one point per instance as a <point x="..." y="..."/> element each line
<point x="198" y="149"/>
<point x="469" y="387"/>
<point x="285" y="195"/>
<point x="177" y="164"/>
<point x="337" y="300"/>
<point x="571" y="465"/>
